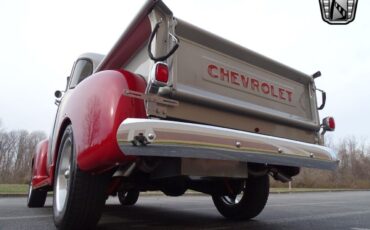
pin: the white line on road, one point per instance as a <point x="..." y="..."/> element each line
<point x="24" y="217"/>
<point x="308" y="204"/>
<point x="192" y="209"/>
<point x="321" y="217"/>
<point x="217" y="228"/>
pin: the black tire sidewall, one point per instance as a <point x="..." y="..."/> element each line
<point x="36" y="197"/>
<point x="59" y="216"/>
<point x="252" y="203"/>
<point x="86" y="193"/>
<point x="130" y="197"/>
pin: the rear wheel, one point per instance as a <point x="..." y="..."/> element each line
<point x="36" y="197"/>
<point x="248" y="203"/>
<point x="128" y="197"/>
<point x="79" y="197"/>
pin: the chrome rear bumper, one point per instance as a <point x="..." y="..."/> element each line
<point x="148" y="137"/>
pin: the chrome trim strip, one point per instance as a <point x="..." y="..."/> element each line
<point x="148" y="137"/>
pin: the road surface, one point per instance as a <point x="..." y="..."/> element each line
<point x="327" y="210"/>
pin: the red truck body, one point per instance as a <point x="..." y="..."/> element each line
<point x="95" y="125"/>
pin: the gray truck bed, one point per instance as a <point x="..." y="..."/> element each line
<point x="217" y="82"/>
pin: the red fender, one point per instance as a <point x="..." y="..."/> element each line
<point x="39" y="172"/>
<point x="96" y="108"/>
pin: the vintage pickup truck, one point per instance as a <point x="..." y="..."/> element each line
<point x="172" y="107"/>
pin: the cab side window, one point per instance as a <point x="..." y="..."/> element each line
<point x="82" y="69"/>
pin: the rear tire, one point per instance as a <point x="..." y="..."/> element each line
<point x="79" y="197"/>
<point x="36" y="197"/>
<point x="127" y="198"/>
<point x="251" y="202"/>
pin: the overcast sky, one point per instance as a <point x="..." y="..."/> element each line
<point x="40" y="40"/>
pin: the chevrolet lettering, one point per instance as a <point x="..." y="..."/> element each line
<point x="248" y="83"/>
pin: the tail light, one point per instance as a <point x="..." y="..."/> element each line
<point x="328" y="124"/>
<point x="161" y="73"/>
<point x="158" y="77"/>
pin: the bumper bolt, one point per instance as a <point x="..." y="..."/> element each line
<point x="151" y="136"/>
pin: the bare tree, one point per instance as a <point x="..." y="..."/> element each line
<point x="16" y="149"/>
<point x="26" y="149"/>
<point x="353" y="170"/>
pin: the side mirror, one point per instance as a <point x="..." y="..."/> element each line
<point x="58" y="94"/>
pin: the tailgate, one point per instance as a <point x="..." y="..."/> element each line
<point x="210" y="71"/>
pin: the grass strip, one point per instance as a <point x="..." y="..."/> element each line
<point x="9" y="189"/>
<point x="13" y="188"/>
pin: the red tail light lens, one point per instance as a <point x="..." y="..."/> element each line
<point x="328" y="124"/>
<point x="161" y="73"/>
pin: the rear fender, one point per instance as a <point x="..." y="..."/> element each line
<point x="96" y="108"/>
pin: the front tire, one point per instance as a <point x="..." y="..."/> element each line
<point x="79" y="197"/>
<point x="127" y="198"/>
<point x="249" y="203"/>
<point x="36" y="197"/>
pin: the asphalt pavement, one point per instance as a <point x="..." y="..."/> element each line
<point x="326" y="210"/>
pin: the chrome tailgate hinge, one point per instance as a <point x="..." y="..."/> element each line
<point x="154" y="104"/>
